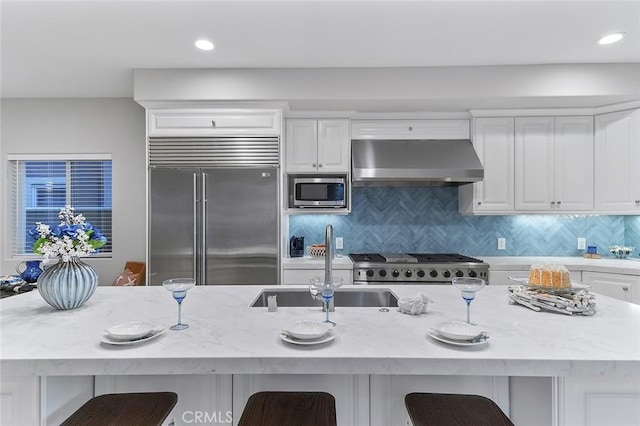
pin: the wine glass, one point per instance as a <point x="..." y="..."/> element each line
<point x="469" y="287"/>
<point x="326" y="288"/>
<point x="179" y="287"/>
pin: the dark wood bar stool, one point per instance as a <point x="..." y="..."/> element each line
<point x="289" y="409"/>
<point x="124" y="409"/>
<point x="454" y="410"/>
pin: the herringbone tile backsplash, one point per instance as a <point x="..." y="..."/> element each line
<point x="423" y="219"/>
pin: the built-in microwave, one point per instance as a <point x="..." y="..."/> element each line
<point x="317" y="191"/>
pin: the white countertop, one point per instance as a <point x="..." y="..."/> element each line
<point x="629" y="266"/>
<point x="308" y="262"/>
<point x="227" y="336"/>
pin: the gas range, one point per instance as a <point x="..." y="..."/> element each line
<point x="415" y="268"/>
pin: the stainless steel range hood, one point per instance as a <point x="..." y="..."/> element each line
<point x="414" y="162"/>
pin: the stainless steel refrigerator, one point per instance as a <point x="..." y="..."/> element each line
<point x="217" y="224"/>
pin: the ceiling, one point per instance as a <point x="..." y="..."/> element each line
<point x="90" y="48"/>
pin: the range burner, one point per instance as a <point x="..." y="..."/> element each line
<point x="415" y="268"/>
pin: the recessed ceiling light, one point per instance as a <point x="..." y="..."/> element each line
<point x="204" y="44"/>
<point x="611" y="38"/>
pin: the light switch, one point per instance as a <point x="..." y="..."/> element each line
<point x="502" y="244"/>
<point x="339" y="243"/>
<point x="582" y="243"/>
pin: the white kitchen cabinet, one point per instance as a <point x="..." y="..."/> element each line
<point x="302" y="276"/>
<point x="410" y="129"/>
<point x="493" y="142"/>
<point x="317" y="146"/>
<point x="617" y="162"/>
<point x="20" y="400"/>
<point x="618" y="286"/>
<point x="597" y="401"/>
<point x="554" y="164"/>
<point x="213" y="122"/>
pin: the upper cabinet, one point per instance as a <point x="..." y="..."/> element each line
<point x="410" y="129"/>
<point x="493" y="141"/>
<point x="554" y="164"/>
<point x="317" y="146"/>
<point x="617" y="163"/>
<point x="213" y="122"/>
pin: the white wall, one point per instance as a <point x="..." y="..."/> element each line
<point x="115" y="126"/>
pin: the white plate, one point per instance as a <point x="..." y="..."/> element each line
<point x="305" y="330"/>
<point x="443" y="339"/>
<point x="327" y="338"/>
<point x="107" y="339"/>
<point x="458" y="330"/>
<point x="131" y="330"/>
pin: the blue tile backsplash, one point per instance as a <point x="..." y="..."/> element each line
<point x="424" y="219"/>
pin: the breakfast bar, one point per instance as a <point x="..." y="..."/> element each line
<point x="232" y="350"/>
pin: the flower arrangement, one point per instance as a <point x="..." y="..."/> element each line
<point x="73" y="237"/>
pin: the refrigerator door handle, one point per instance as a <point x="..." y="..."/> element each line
<point x="195" y="226"/>
<point x="203" y="239"/>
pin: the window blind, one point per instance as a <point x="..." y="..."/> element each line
<point x="40" y="188"/>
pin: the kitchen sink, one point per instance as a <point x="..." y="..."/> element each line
<point x="344" y="297"/>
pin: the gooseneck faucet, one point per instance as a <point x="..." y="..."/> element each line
<point x="328" y="255"/>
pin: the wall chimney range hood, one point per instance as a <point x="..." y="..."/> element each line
<point x="420" y="162"/>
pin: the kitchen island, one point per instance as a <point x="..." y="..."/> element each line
<point x="232" y="350"/>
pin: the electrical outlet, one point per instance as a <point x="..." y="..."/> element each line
<point x="582" y="243"/>
<point x="339" y="243"/>
<point x="502" y="244"/>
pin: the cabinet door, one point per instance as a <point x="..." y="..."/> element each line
<point x="334" y="146"/>
<point x="210" y="122"/>
<point x="20" y="401"/>
<point x="617" y="162"/>
<point x="617" y="286"/>
<point x="493" y="141"/>
<point x="534" y="163"/>
<point x="573" y="163"/>
<point x="302" y="145"/>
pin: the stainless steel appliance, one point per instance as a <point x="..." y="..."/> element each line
<point x="213" y="211"/>
<point x="317" y="191"/>
<point x="415" y="268"/>
<point x="414" y="162"/>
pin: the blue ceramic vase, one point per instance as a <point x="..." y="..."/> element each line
<point x="68" y="285"/>
<point x="31" y="271"/>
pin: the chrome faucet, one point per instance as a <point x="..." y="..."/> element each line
<point x="328" y="266"/>
<point x="328" y="255"/>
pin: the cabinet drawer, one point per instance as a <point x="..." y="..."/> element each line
<point x="201" y="122"/>
<point x="618" y="286"/>
<point x="302" y="276"/>
<point x="410" y="129"/>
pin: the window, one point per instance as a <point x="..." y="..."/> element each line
<point x="41" y="186"/>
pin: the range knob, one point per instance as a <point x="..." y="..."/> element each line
<point x="383" y="273"/>
<point x="395" y="273"/>
<point x="447" y="274"/>
<point x="420" y="273"/>
<point x="459" y="273"/>
<point x="408" y="274"/>
<point x="434" y="273"/>
<point x="370" y="273"/>
<point x="473" y="274"/>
